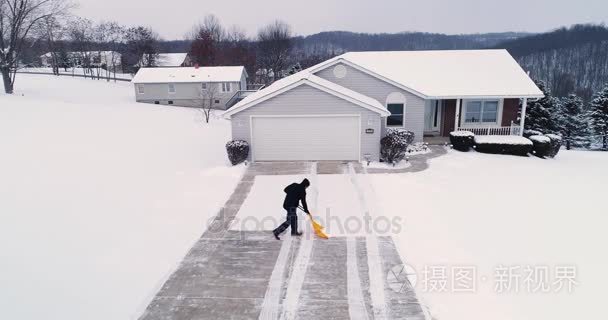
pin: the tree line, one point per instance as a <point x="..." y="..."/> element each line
<point x="581" y="125"/>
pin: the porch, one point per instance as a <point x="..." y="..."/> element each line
<point x="494" y="116"/>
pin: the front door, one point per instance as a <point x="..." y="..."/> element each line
<point x="432" y="117"/>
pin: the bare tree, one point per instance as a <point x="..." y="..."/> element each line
<point x="207" y="38"/>
<point x="141" y="47"/>
<point x="81" y="36"/>
<point x="274" y="46"/>
<point x="209" y="91"/>
<point x="18" y="18"/>
<point x="111" y="35"/>
<point x="52" y="31"/>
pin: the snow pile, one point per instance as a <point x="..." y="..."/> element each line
<point x="512" y="140"/>
<point x="538" y="138"/>
<point x="552" y="136"/>
<point x="383" y="165"/>
<point x="417" y="148"/>
<point x="101" y="197"/>
<point x="462" y="133"/>
<point x="546" y="224"/>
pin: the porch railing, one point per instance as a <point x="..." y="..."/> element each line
<point x="512" y="130"/>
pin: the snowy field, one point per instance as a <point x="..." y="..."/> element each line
<point x="75" y="71"/>
<point x="100" y="197"/>
<point x="485" y="211"/>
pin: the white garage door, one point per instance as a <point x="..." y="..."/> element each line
<point x="305" y="138"/>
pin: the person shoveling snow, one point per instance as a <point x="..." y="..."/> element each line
<point x="296" y="193"/>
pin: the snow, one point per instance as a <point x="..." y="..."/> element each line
<point x="447" y="74"/>
<point x="517" y="140"/>
<point x="170" y="59"/>
<point x="101" y="197"/>
<point x="294" y="80"/>
<point x="383" y="165"/>
<point x="529" y="212"/>
<point x="76" y="72"/>
<point x="189" y="74"/>
<point x="538" y="138"/>
<point x="462" y="133"/>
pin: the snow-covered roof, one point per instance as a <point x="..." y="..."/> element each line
<point x="300" y="78"/>
<point x="444" y="74"/>
<point x="189" y="74"/>
<point x="170" y="59"/>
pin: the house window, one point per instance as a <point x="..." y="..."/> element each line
<point x="156" y="102"/>
<point x="171" y="88"/>
<point x="170" y="102"/>
<point x="396" y="117"/>
<point x="225" y="86"/>
<point x="140" y="89"/>
<point x="217" y="101"/>
<point x="481" y="111"/>
<point x="204" y="85"/>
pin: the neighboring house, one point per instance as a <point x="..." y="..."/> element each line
<point x="164" y="60"/>
<point x="108" y="60"/>
<point x="341" y="108"/>
<point x="187" y="87"/>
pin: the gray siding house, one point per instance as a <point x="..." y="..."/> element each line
<point x="341" y="108"/>
<point x="190" y="87"/>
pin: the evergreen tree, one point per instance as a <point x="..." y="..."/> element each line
<point x="598" y="115"/>
<point x="542" y="114"/>
<point x="572" y="122"/>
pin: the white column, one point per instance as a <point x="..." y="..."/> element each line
<point x="522" y="119"/>
<point x="457" y="115"/>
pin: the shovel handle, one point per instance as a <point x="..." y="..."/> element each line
<point x="299" y="207"/>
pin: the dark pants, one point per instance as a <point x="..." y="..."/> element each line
<point x="292" y="220"/>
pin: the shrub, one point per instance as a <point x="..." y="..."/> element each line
<point x="462" y="140"/>
<point x="394" y="145"/>
<point x="556" y="144"/>
<point x="514" y="145"/>
<point x="529" y="133"/>
<point x="238" y="150"/>
<point x="541" y="145"/>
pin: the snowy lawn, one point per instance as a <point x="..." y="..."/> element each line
<point x="483" y="211"/>
<point x="100" y="197"/>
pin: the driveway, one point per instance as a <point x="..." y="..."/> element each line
<point x="236" y="271"/>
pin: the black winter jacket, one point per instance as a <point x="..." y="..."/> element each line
<point x="295" y="193"/>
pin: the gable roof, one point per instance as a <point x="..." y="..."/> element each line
<point x="189" y="74"/>
<point x="170" y="59"/>
<point x="300" y="78"/>
<point x="444" y="74"/>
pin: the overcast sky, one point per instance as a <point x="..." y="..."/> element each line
<point x="173" y="18"/>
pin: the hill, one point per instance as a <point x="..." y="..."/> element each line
<point x="569" y="60"/>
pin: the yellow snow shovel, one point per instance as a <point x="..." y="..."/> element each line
<point x="316" y="227"/>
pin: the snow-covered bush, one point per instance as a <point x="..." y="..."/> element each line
<point x="529" y="133"/>
<point x="541" y="145"/>
<point x="556" y="144"/>
<point x="462" y="140"/>
<point x="394" y="145"/>
<point x="514" y="145"/>
<point x="238" y="150"/>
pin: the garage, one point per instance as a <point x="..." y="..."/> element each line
<point x="306" y="118"/>
<point x="306" y="137"/>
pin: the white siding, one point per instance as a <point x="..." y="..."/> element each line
<point x="306" y="100"/>
<point x="375" y="88"/>
<point x="186" y="94"/>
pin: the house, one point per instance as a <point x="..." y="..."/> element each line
<point x="164" y="60"/>
<point x="191" y="86"/>
<point x="341" y="108"/>
<point x="108" y="60"/>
